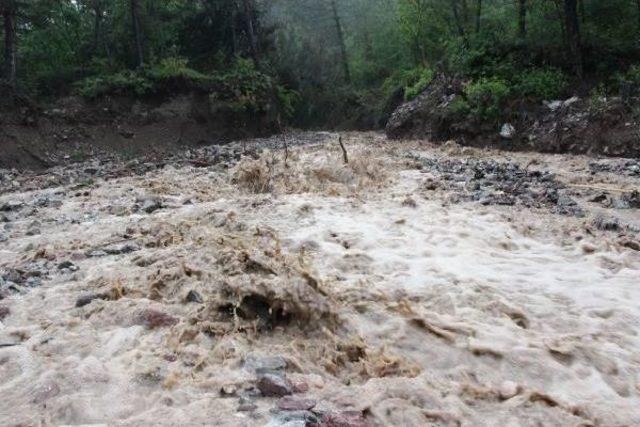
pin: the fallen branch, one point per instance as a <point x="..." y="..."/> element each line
<point x="345" y="156"/>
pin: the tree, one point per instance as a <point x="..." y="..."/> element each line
<point x="251" y="30"/>
<point x="343" y="46"/>
<point x="522" y="19"/>
<point x="137" y="33"/>
<point x="573" y="35"/>
<point x="9" y="16"/>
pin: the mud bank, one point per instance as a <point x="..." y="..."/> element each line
<point x="416" y="285"/>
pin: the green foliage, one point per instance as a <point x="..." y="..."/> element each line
<point x="288" y="101"/>
<point x="418" y="84"/>
<point x="413" y="82"/>
<point x="126" y="83"/>
<point x="458" y="108"/>
<point x="486" y="97"/>
<point x="245" y="88"/>
<point x="541" y="84"/>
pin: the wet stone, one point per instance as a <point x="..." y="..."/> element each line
<point x="344" y="419"/>
<point x="151" y="205"/>
<point x="11" y="206"/>
<point x="119" y="249"/>
<point x="194" y="297"/>
<point x="67" y="265"/>
<point x="289" y="403"/>
<point x="88" y="299"/>
<point x="295" y="418"/>
<point x="152" y="319"/>
<point x="273" y="385"/>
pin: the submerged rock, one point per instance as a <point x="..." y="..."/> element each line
<point x="344" y="419"/>
<point x="273" y="385"/>
<point x="289" y="403"/>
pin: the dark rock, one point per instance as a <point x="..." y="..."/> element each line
<point x="4" y="312"/>
<point x="3" y="238"/>
<point x="289" y="403"/>
<point x="631" y="244"/>
<point x="274" y="385"/>
<point x="152" y="319"/>
<point x="344" y="419"/>
<point x="151" y="205"/>
<point x="67" y="265"/>
<point x="628" y="201"/>
<point x="194" y="296"/>
<point x="88" y="299"/>
<point x="305" y="418"/>
<point x="121" y="248"/>
<point x="606" y="223"/>
<point x="14" y="275"/>
<point x="11" y="206"/>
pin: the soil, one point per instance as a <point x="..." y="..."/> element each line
<point x="608" y="127"/>
<point x="268" y="283"/>
<point x="73" y="130"/>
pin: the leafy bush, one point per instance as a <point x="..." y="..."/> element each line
<point x="413" y="81"/>
<point x="158" y="79"/>
<point x="541" y="84"/>
<point x="458" y="107"/>
<point x="424" y="77"/>
<point x="486" y="97"/>
<point x="174" y="67"/>
<point x="122" y="83"/>
<point x="245" y="88"/>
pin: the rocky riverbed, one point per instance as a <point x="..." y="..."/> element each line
<point x="268" y="283"/>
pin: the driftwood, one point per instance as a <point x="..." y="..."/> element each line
<point x="345" y="156"/>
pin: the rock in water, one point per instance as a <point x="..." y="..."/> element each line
<point x="152" y="319"/>
<point x="194" y="296"/>
<point x="344" y="419"/>
<point x="273" y="385"/>
<point x="289" y="403"/>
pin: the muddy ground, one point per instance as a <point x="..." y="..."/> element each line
<point x="252" y="285"/>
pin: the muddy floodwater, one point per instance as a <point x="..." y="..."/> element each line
<point x="414" y="286"/>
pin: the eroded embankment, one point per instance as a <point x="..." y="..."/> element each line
<point x="415" y="285"/>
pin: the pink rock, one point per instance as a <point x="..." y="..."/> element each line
<point x="274" y="385"/>
<point x="152" y="319"/>
<point x="344" y="419"/>
<point x="289" y="403"/>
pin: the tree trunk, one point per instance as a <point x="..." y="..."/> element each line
<point x="253" y="40"/>
<point x="9" y="18"/>
<point x="97" y="25"/>
<point x="573" y="36"/>
<point x="522" y="19"/>
<point x="343" y="47"/>
<point x="137" y="33"/>
<point x="456" y="18"/>
<point x="479" y="14"/>
<point x="638" y="6"/>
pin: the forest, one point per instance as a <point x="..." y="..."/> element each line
<point x="324" y="63"/>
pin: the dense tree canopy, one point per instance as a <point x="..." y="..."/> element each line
<point x="335" y="54"/>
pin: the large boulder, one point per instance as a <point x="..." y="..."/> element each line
<point x="426" y="116"/>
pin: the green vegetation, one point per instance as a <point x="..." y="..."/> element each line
<point x="318" y="62"/>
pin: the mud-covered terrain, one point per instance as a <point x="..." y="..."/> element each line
<point x="254" y="284"/>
